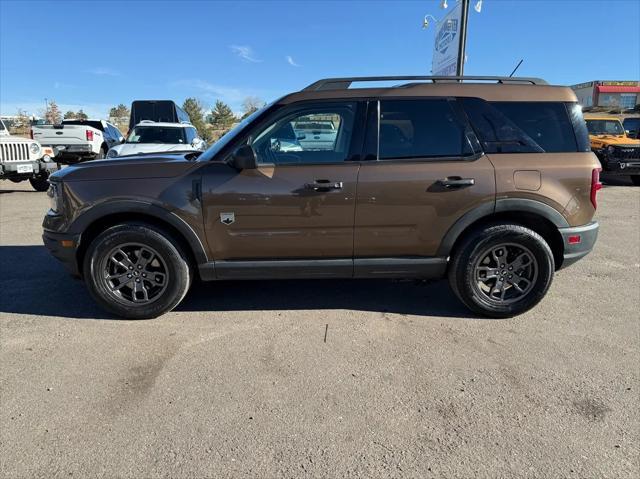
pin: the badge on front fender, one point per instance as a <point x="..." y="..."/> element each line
<point x="227" y="218"/>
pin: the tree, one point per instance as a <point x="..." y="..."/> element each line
<point x="70" y="115"/>
<point x="81" y="115"/>
<point x="119" y="116"/>
<point x="52" y="114"/>
<point x="195" y="110"/>
<point x="222" y="116"/>
<point x="250" y="105"/>
<point x="120" y="111"/>
<point x="22" y="125"/>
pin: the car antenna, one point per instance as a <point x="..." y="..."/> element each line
<point x="517" y="66"/>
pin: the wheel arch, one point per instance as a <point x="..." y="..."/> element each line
<point x="96" y="220"/>
<point x="539" y="217"/>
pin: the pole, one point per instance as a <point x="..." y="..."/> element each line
<point x="463" y="38"/>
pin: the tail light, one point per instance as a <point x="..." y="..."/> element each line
<point x="89" y="135"/>
<point x="595" y="185"/>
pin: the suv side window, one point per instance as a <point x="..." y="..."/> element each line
<point x="421" y="129"/>
<point x="547" y="123"/>
<point x="319" y="133"/>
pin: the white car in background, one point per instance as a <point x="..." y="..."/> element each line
<point x="153" y="137"/>
<point x="23" y="159"/>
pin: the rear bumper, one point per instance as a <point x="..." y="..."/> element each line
<point x="66" y="255"/>
<point x="587" y="234"/>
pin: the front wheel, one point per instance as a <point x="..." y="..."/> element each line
<point x="502" y="270"/>
<point x="136" y="271"/>
<point x="39" y="183"/>
<point x="635" y="179"/>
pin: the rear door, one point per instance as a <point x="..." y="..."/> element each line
<point x="427" y="171"/>
<point x="298" y="205"/>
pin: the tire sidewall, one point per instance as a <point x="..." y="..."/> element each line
<point x="493" y="236"/>
<point x="174" y="259"/>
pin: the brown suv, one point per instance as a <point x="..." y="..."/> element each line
<point x="489" y="181"/>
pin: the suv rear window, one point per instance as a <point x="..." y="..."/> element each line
<point x="420" y="129"/>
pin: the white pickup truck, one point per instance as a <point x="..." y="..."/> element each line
<point x="23" y="159"/>
<point x="78" y="140"/>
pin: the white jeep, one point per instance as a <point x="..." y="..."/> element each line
<point x="23" y="159"/>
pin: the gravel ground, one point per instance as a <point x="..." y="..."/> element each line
<point x="239" y="381"/>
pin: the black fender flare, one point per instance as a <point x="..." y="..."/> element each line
<point x="95" y="213"/>
<point x="511" y="205"/>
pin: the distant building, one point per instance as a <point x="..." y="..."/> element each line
<point x="613" y="94"/>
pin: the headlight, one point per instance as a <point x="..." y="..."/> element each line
<point x="35" y="148"/>
<point x="54" y="196"/>
<point x="112" y="153"/>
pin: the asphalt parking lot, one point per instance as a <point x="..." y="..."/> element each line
<point x="239" y="381"/>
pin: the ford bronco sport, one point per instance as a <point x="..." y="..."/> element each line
<point x="488" y="181"/>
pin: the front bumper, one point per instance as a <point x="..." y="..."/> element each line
<point x="63" y="247"/>
<point x="578" y="242"/>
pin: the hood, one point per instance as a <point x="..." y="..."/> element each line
<point x="607" y="140"/>
<point x="15" y="139"/>
<point x="157" y="165"/>
<point x="136" y="148"/>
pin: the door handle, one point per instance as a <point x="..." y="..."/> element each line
<point x="324" y="185"/>
<point x="456" y="182"/>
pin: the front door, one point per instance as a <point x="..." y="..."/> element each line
<point x="427" y="172"/>
<point x="293" y="215"/>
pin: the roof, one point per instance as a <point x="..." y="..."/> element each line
<point x="607" y="118"/>
<point x="618" y="89"/>
<point x="488" y="88"/>
<point x="163" y="123"/>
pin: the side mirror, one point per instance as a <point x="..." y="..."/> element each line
<point x="198" y="144"/>
<point x="244" y="158"/>
<point x="121" y="139"/>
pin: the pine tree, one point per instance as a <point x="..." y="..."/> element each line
<point x="195" y="110"/>
<point x="222" y="116"/>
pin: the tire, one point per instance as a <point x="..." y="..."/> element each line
<point x="127" y="253"/>
<point x="40" y="183"/>
<point x="102" y="154"/>
<point x="635" y="179"/>
<point x="476" y="267"/>
<point x="16" y="180"/>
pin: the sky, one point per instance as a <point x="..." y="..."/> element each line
<point x="97" y="54"/>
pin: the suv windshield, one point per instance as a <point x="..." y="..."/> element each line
<point x="604" y="127"/>
<point x="157" y="134"/>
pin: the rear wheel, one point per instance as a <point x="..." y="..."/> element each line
<point x="502" y="270"/>
<point x="102" y="153"/>
<point x="136" y="271"/>
<point x="635" y="179"/>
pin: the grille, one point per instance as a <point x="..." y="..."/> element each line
<point x="14" y="152"/>
<point x="627" y="152"/>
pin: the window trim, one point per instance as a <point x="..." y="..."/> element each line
<point x="469" y="132"/>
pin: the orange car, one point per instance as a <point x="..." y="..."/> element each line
<point x="618" y="154"/>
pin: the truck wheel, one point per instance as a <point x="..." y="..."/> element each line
<point x="40" y="183"/>
<point x="136" y="271"/>
<point x="501" y="270"/>
<point x="101" y="154"/>
<point x="635" y="179"/>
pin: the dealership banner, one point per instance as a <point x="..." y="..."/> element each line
<point x="447" y="43"/>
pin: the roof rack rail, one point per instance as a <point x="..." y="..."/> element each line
<point x="344" y="83"/>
